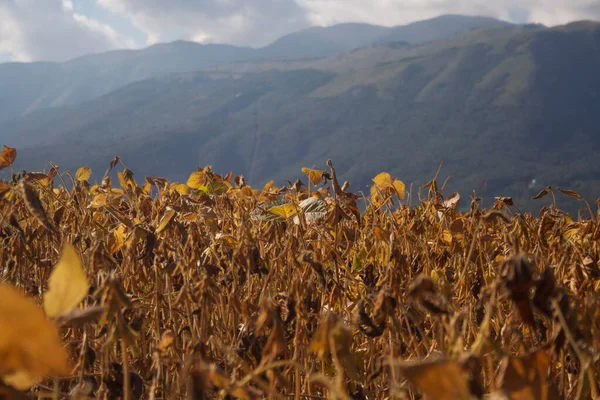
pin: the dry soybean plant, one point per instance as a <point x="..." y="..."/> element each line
<point x="214" y="289"/>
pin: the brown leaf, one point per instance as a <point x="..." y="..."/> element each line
<point x="516" y="273"/>
<point x="113" y="163"/>
<point x="34" y="205"/>
<point x="542" y="193"/>
<point x="441" y="380"/>
<point x="166" y="340"/>
<point x="452" y="201"/>
<point x="4" y="189"/>
<point x="81" y="316"/>
<point x="570" y="193"/>
<point x="505" y="200"/>
<point x="7" y="157"/>
<point x="525" y="377"/>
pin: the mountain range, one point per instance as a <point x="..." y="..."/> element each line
<point x="508" y="108"/>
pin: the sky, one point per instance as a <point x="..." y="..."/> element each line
<point x="59" y="30"/>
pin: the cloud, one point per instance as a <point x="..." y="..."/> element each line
<point x="396" y="12"/>
<point x="241" y="22"/>
<point x="258" y="22"/>
<point x="50" y="30"/>
<point x="57" y="30"/>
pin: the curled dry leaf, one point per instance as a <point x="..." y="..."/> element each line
<point x="34" y="205"/>
<point x="570" y="193"/>
<point x="165" y="220"/>
<point x="542" y="193"/>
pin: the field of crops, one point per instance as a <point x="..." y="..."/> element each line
<point x="144" y="288"/>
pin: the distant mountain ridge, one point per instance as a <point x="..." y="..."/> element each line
<point x="508" y="109"/>
<point x="28" y="87"/>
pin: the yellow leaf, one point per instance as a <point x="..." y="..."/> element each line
<point x="268" y="186"/>
<point x="197" y="180"/>
<point x="83" y="174"/>
<point x="376" y="197"/>
<point x="285" y="210"/>
<point x="399" y="188"/>
<point x="383" y="181"/>
<point x="67" y="285"/>
<point x="230" y="240"/>
<point x="99" y="200"/>
<point x="180" y="188"/>
<point x="4" y="189"/>
<point x="30" y="346"/>
<point x="147" y="188"/>
<point x="447" y="236"/>
<point x="165" y="220"/>
<point x="126" y="179"/>
<point x="119" y="235"/>
<point x="314" y="175"/>
<point x="379" y="233"/>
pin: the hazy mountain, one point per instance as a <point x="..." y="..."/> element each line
<point x="500" y="107"/>
<point x="28" y="87"/>
<point x="325" y="41"/>
<point x="437" y="28"/>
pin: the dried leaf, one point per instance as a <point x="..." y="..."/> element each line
<point x="30" y="346"/>
<point x="400" y="188"/>
<point x="166" y="340"/>
<point x="165" y="220"/>
<point x="314" y="175"/>
<point x="7" y="157"/>
<point x="570" y="193"/>
<point x="34" y="205"/>
<point x="4" y="189"/>
<point x="524" y="378"/>
<point x="542" y="193"/>
<point x="440" y="380"/>
<point x="67" y="285"/>
<point x="79" y="317"/>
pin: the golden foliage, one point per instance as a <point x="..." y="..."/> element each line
<point x="211" y="289"/>
<point x="30" y="346"/>
<point x="67" y="285"/>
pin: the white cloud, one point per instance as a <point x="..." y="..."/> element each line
<point x="242" y="22"/>
<point x="258" y="22"/>
<point x="67" y="5"/>
<point x="50" y="30"/>
<point x="397" y="12"/>
<point x="62" y="29"/>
